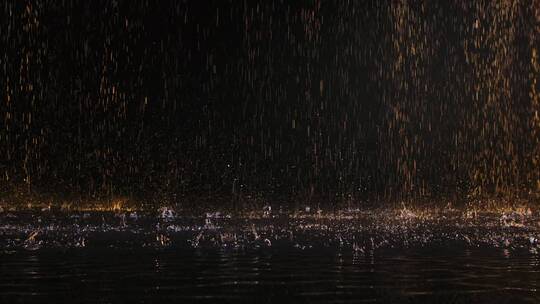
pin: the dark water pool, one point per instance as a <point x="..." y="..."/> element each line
<point x="361" y="257"/>
<point x="272" y="275"/>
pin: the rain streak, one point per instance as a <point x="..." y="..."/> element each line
<point x="322" y="102"/>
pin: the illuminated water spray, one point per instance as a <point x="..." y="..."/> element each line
<point x="407" y="97"/>
<point x="486" y="138"/>
<point x="336" y="101"/>
<point x="535" y="93"/>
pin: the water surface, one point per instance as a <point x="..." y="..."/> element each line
<point x="100" y="257"/>
<point x="317" y="275"/>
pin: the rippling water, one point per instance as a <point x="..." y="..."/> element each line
<point x="363" y="257"/>
<point x="441" y="275"/>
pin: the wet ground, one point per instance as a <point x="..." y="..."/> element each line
<point x="96" y="257"/>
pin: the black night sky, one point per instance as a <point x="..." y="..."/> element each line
<point x="329" y="101"/>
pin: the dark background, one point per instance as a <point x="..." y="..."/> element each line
<point x="312" y="100"/>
